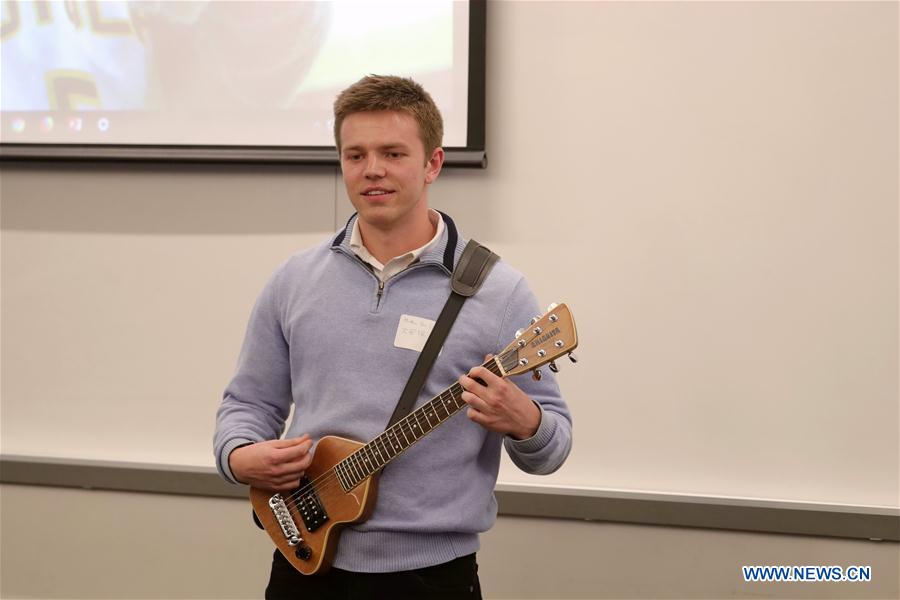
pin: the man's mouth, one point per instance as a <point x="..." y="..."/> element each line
<point x="376" y="193"/>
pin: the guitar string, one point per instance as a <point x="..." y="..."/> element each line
<point x="403" y="427"/>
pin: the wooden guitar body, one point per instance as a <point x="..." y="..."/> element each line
<point x="315" y="551"/>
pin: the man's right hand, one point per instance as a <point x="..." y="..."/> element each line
<point x="275" y="465"/>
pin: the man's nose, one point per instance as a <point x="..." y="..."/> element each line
<point x="374" y="166"/>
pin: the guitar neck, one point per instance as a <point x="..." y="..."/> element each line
<point x="369" y="459"/>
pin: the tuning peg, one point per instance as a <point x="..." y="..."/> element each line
<point x="572" y="357"/>
<point x="519" y="333"/>
<point x="536" y="375"/>
<point x="535" y="320"/>
<point x="551" y="306"/>
<point x="553" y="366"/>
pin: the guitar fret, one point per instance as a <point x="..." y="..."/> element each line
<point x="379" y="458"/>
<point x="440" y="402"/>
<point x="457" y="400"/>
<point x="357" y="473"/>
<point x="425" y="413"/>
<point x="340" y="475"/>
<point x="357" y="460"/>
<point x="387" y="454"/>
<point x="349" y="473"/>
<point x="350" y="476"/>
<point x="450" y="402"/>
<point x="405" y="438"/>
<point x="345" y="469"/>
<point x="348" y="482"/>
<point x="434" y="411"/>
<point x="422" y="430"/>
<point x="395" y="443"/>
<point x="367" y="458"/>
<point x="376" y="453"/>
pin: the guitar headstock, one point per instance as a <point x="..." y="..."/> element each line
<point x="547" y="338"/>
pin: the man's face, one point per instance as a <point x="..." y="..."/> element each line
<point x="385" y="168"/>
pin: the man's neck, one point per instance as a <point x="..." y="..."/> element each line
<point x="385" y="244"/>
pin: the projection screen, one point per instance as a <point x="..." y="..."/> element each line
<point x="225" y="80"/>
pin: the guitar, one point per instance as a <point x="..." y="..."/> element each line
<point x="339" y="487"/>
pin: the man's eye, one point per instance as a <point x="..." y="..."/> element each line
<point x="354" y="156"/>
<point x="394" y="154"/>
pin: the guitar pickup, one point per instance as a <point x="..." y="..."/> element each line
<point x="310" y="507"/>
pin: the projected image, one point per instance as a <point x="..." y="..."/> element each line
<point x="212" y="72"/>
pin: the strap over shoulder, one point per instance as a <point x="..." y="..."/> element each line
<point x="472" y="269"/>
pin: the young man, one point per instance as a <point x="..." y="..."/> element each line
<point x="330" y="335"/>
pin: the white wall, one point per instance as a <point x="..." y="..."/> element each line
<point x="711" y="186"/>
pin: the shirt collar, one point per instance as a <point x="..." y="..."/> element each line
<point x="398" y="263"/>
<point x="444" y="254"/>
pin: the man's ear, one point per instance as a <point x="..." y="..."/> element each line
<point x="434" y="164"/>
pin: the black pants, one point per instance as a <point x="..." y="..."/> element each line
<point x="457" y="579"/>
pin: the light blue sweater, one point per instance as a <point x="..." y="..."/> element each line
<point x="321" y="337"/>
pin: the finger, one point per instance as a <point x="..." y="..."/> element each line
<point x="470" y="385"/>
<point x="291" y="469"/>
<point x="476" y="416"/>
<point x="289" y="442"/>
<point x="291" y="453"/>
<point x="475" y="402"/>
<point x="300" y="464"/>
<point x="484" y="375"/>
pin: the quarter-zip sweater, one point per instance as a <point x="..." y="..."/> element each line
<point x="321" y="338"/>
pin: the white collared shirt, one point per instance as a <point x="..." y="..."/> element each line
<point x="398" y="263"/>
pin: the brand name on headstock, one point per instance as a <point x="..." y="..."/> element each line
<point x="549" y="335"/>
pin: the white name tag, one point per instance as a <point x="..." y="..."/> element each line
<point x="412" y="332"/>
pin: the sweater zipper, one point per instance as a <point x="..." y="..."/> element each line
<point x="367" y="268"/>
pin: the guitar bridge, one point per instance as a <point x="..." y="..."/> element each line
<point x="310" y="506"/>
<point x="285" y="520"/>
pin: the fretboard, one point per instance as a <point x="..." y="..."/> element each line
<point x="369" y="459"/>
